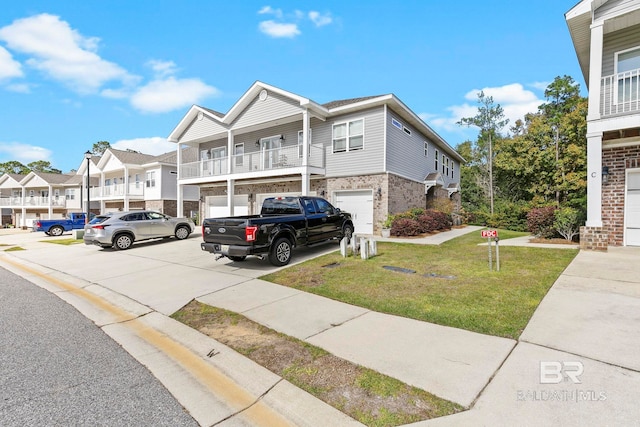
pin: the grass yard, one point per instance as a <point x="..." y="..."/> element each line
<point x="64" y="242"/>
<point x="495" y="303"/>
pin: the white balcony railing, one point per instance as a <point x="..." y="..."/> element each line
<point x="33" y="201"/>
<point x="118" y="190"/>
<point x="620" y="93"/>
<point x="264" y="160"/>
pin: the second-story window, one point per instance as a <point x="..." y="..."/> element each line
<point x="151" y="179"/>
<point x="436" y="161"/>
<point x="426" y="149"/>
<point x="238" y="154"/>
<point x="70" y="194"/>
<point x="348" y="136"/>
<point x="628" y="70"/>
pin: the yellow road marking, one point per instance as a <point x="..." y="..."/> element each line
<point x="215" y="381"/>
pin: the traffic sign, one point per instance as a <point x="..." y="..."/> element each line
<point x="489" y="233"/>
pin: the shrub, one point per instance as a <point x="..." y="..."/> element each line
<point x="442" y="204"/>
<point x="405" y="227"/>
<point x="567" y="222"/>
<point x="540" y="222"/>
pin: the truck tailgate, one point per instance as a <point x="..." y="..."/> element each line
<point x="226" y="231"/>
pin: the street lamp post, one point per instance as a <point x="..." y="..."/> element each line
<point x="87" y="156"/>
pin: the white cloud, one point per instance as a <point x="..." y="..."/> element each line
<point x="162" y="68"/>
<point x="541" y="86"/>
<point x="515" y="100"/>
<point x="19" y="88"/>
<point x="155" y="145"/>
<point x="161" y="96"/>
<point x="62" y="53"/>
<point x="9" y="67"/>
<point x="320" y="20"/>
<point x="279" y="30"/>
<point x="23" y="153"/>
<point x="268" y="10"/>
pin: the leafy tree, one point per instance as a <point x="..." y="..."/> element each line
<point x="42" y="166"/>
<point x="14" y="166"/>
<point x="100" y="147"/>
<point x="490" y="119"/>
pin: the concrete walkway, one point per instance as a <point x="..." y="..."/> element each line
<point x="588" y="319"/>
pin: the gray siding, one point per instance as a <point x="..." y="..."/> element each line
<point x="201" y="129"/>
<point x="366" y="161"/>
<point x="275" y="106"/>
<point x="616" y="42"/>
<point x="169" y="184"/>
<point x="405" y="153"/>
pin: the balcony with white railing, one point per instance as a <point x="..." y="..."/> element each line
<point x="620" y="93"/>
<point x="276" y="160"/>
<point x="118" y="191"/>
<point x="33" y="202"/>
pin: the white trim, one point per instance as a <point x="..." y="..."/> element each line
<point x="386" y="114"/>
<point x="396" y="123"/>
<point x="623" y="142"/>
<point x="615" y="63"/>
<point x="426" y="149"/>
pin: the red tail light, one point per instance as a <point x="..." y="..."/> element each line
<point x="99" y="227"/>
<point x="38" y="224"/>
<point x="250" y="233"/>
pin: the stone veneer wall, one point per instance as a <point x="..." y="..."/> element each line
<point x="618" y="160"/>
<point x="366" y="182"/>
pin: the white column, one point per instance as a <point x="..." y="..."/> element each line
<point x="179" y="187"/>
<point x="126" y="188"/>
<point x="594" y="180"/>
<point x="595" y="70"/>
<point x="306" y="183"/>
<point x="229" y="151"/>
<point x="50" y="212"/>
<point x="230" y="193"/>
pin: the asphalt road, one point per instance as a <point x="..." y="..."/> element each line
<point x="58" y="368"/>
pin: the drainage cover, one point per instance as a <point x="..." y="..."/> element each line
<point x="438" y="276"/>
<point x="332" y="265"/>
<point x="398" y="269"/>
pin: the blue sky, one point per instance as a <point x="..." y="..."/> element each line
<point x="73" y="73"/>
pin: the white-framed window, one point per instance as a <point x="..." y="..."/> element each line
<point x="452" y="165"/>
<point x="238" y="153"/>
<point x="136" y="177"/>
<point x="447" y="159"/>
<point x="436" y="161"/>
<point x="56" y="193"/>
<point x="107" y="182"/>
<point x="204" y="156"/>
<point x="426" y="149"/>
<point x="32" y="193"/>
<point x="396" y="123"/>
<point x="300" y="146"/>
<point x="348" y="136"/>
<point x="627" y="69"/>
<point x="70" y="194"/>
<point x="443" y="156"/>
<point x="151" y="179"/>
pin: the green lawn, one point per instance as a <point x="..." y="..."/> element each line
<point x="495" y="303"/>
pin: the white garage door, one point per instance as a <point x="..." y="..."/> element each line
<point x="217" y="206"/>
<point x="360" y="205"/>
<point x="632" y="210"/>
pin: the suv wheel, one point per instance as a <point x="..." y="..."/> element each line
<point x="182" y="232"/>
<point x="123" y="242"/>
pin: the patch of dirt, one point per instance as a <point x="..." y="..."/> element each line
<point x="365" y="395"/>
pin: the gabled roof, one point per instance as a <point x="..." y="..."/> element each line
<point x="323" y="111"/>
<point x="49" y="178"/>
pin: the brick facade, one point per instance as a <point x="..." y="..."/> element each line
<point x="593" y="238"/>
<point x="397" y="194"/>
<point x="618" y="160"/>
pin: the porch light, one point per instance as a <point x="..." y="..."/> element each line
<point x="281" y="138"/>
<point x="379" y="193"/>
<point x="605" y="174"/>
<point x="258" y="143"/>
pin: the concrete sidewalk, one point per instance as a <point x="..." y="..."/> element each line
<point x="588" y="317"/>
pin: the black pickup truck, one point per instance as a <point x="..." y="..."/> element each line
<point x="284" y="223"/>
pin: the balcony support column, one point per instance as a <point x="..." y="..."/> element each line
<point x="306" y="183"/>
<point x="126" y="188"/>
<point x="229" y="151"/>
<point x="230" y="193"/>
<point x="179" y="196"/>
<point x="50" y="202"/>
<point x="594" y="180"/>
<point x="595" y="70"/>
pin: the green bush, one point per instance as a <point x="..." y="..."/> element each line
<point x="567" y="222"/>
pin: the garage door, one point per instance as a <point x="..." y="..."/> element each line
<point x="360" y="205"/>
<point x="632" y="210"/>
<point x="217" y="206"/>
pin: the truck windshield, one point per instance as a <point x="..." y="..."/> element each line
<point x="281" y="206"/>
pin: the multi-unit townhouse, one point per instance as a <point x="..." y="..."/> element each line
<point x="606" y="38"/>
<point x="369" y="156"/>
<point x="128" y="180"/>
<point x="39" y="195"/>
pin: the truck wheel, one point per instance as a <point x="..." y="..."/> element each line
<point x="56" y="231"/>
<point x="280" y="253"/>
<point x="237" y="258"/>
<point x="347" y="232"/>
<point x="182" y="232"/>
<point x="122" y="242"/>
